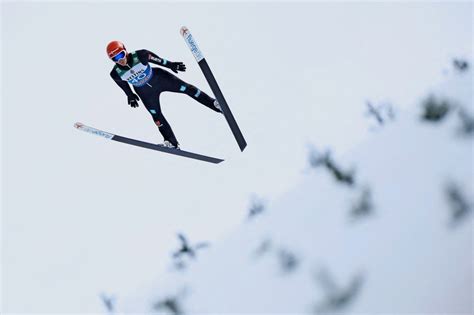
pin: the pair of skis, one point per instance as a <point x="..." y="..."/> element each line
<point x="189" y="39"/>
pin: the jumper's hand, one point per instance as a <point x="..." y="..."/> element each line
<point x="133" y="100"/>
<point x="177" y="66"/>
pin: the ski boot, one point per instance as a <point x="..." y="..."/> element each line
<point x="167" y="144"/>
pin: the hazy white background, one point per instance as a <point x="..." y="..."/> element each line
<point x="81" y="215"/>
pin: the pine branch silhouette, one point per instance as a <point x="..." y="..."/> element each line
<point x="364" y="205"/>
<point x="337" y="299"/>
<point x="435" y="110"/>
<point x="288" y="260"/>
<point x="316" y="160"/>
<point x="109" y="302"/>
<point x="375" y="112"/>
<point x="390" y="112"/>
<point x="264" y="247"/>
<point x="459" y="205"/>
<point x="187" y="249"/>
<point x="382" y="113"/>
<point x="460" y="65"/>
<point x="170" y="304"/>
<point x="179" y="264"/>
<point x="467" y="123"/>
<point x="257" y="207"/>
<point x="344" y="177"/>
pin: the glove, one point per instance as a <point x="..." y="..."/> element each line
<point x="133" y="100"/>
<point x="177" y="66"/>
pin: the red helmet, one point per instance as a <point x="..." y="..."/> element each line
<point x="115" y="47"/>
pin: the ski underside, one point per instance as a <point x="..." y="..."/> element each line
<point x="198" y="55"/>
<point x="147" y="145"/>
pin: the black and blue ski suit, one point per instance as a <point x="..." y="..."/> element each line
<point x="148" y="82"/>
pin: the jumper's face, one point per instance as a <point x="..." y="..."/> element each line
<point x="120" y="58"/>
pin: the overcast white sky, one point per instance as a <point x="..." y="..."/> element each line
<point x="81" y="215"/>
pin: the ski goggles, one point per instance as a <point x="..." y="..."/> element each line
<point x="119" y="56"/>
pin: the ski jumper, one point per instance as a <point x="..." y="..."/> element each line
<point x="149" y="82"/>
